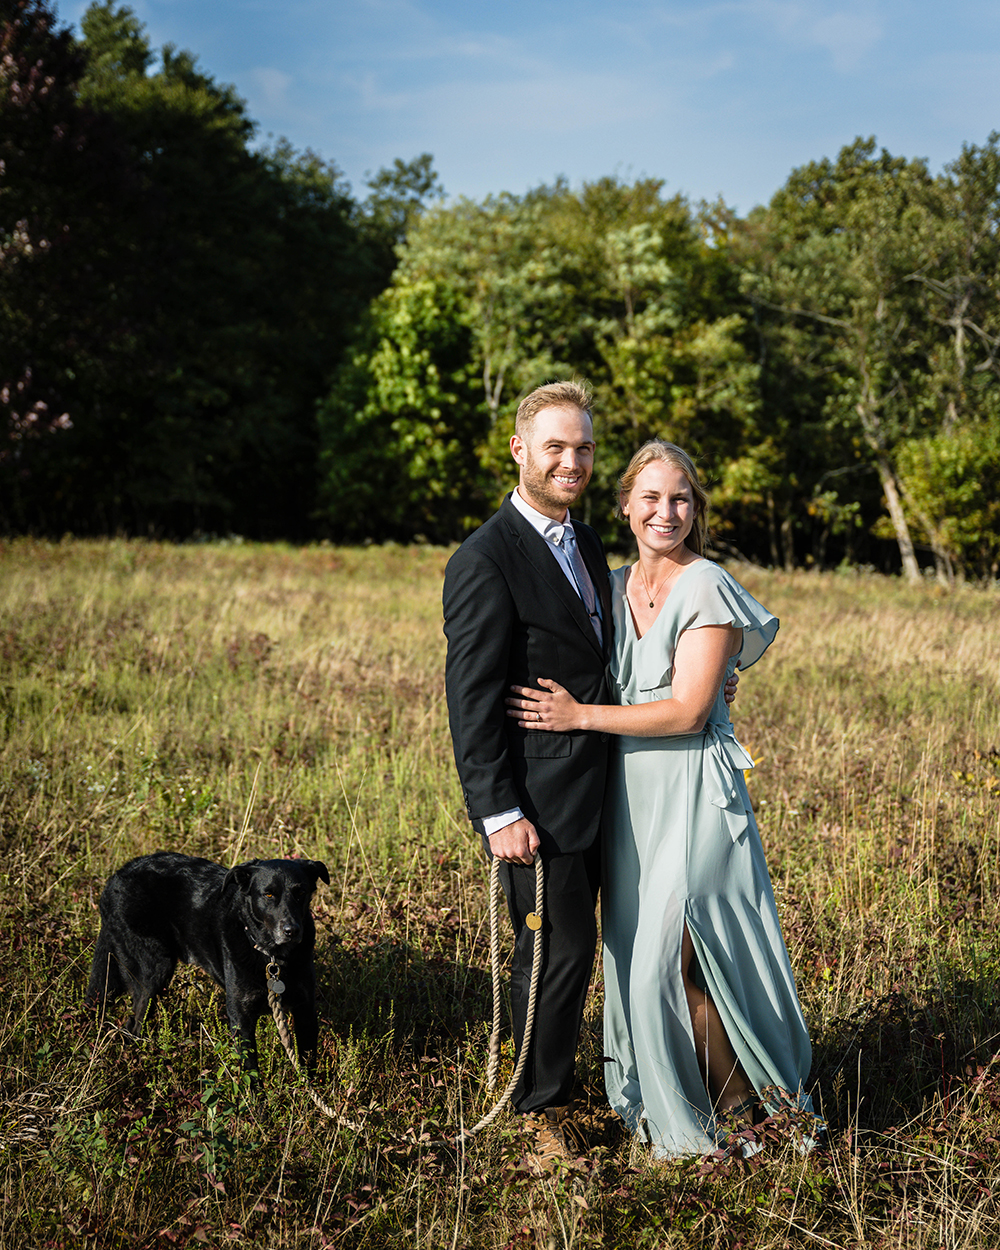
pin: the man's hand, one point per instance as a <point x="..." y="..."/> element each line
<point x="729" y="689"/>
<point x="516" y="843"/>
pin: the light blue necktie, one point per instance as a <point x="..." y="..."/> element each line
<point x="584" y="585"/>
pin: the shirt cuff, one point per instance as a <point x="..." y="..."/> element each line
<point x="493" y="824"/>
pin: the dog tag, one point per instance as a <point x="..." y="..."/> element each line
<point x="533" y="920"/>
<point x="275" y="986"/>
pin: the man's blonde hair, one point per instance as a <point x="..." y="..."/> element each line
<point x="552" y="395"/>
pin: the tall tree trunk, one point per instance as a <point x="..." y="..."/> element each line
<point x="787" y="544"/>
<point x="868" y="411"/>
<point x="943" y="563"/>
<point x="772" y="531"/>
<point x="911" y="569"/>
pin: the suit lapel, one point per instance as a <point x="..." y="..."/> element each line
<point x="534" y="548"/>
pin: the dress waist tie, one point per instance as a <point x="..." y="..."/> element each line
<point x="723" y="756"/>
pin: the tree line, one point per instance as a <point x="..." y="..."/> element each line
<point x="201" y="335"/>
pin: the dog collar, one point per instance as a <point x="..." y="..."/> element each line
<point x="272" y="973"/>
<point x="257" y="946"/>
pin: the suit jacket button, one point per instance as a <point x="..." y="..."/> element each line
<point x="604" y="737"/>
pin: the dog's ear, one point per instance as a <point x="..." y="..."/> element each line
<point x="239" y="875"/>
<point x="316" y="869"/>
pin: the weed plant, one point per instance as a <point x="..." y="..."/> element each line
<point x="237" y="701"/>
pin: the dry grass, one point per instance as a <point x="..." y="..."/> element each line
<point x="148" y="692"/>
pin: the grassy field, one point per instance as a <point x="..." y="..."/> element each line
<point x="235" y="701"/>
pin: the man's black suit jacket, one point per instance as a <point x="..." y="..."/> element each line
<point x="511" y="617"/>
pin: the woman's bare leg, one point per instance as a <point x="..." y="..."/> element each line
<point x="727" y="1082"/>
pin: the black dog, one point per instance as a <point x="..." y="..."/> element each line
<point x="162" y="908"/>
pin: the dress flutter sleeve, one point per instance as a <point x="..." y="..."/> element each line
<point x="713" y="597"/>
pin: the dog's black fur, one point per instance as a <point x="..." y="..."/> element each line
<point x="158" y="909"/>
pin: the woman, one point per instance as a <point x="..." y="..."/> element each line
<point x="702" y="1026"/>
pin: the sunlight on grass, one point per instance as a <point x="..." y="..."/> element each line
<point x="144" y="689"/>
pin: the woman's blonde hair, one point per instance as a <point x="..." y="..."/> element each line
<point x="677" y="458"/>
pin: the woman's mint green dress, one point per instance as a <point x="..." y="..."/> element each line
<point x="682" y="847"/>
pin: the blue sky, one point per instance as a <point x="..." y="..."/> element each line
<point x="715" y="98"/>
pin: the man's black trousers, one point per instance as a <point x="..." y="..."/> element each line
<point x="569" y="932"/>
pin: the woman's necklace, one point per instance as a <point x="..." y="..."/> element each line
<point x="642" y="580"/>
<point x="670" y="576"/>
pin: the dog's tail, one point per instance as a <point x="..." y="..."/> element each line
<point x="106" y="980"/>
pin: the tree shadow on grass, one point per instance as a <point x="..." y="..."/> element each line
<point x="390" y="988"/>
<point x="905" y="1059"/>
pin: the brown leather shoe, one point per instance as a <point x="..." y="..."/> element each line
<point x="558" y="1138"/>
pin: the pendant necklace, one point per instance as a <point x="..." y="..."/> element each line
<point x="642" y="580"/>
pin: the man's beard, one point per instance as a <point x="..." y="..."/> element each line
<point x="540" y="487"/>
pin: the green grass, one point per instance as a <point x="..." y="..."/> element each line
<point x="238" y="700"/>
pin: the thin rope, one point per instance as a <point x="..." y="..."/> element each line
<point x="281" y="1020"/>
<point x="536" y="971"/>
<point x="493" y="1064"/>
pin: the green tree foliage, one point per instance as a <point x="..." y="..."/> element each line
<point x="238" y="274"/>
<point x="612" y="283"/>
<point x="63" y="171"/>
<point x="782" y="481"/>
<point x="963" y="290"/>
<point x="464" y="325"/>
<point x="397" y="197"/>
<point x="402" y="423"/>
<point x="840" y="245"/>
<point x="951" y="490"/>
<point x="197" y="333"/>
<point x="659" y="329"/>
<point x="875" y="294"/>
<point x="951" y="479"/>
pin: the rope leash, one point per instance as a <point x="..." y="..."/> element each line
<point x="534" y="921"/>
<point x="275" y="988"/>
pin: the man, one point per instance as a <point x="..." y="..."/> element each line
<point x="525" y="597"/>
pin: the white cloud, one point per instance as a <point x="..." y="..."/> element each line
<point x="847" y="37"/>
<point x="271" y="87"/>
<point x="846" y="33"/>
<point x="528" y="103"/>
